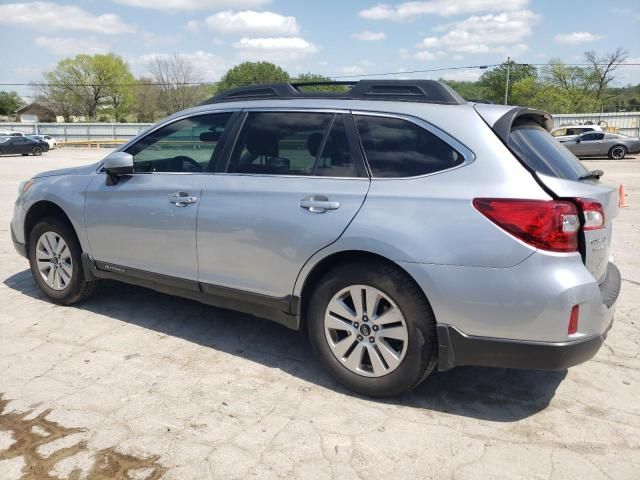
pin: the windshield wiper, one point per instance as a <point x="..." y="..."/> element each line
<point x="593" y="174"/>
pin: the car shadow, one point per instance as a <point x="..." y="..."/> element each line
<point x="495" y="394"/>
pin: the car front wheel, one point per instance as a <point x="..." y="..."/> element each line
<point x="373" y="329"/>
<point x="37" y="151"/>
<point x="56" y="264"/>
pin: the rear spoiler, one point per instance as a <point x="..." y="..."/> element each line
<point x="513" y="116"/>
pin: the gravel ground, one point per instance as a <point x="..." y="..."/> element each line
<point x="136" y="384"/>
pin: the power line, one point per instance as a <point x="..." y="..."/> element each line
<point x="338" y="76"/>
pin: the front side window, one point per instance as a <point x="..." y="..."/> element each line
<point x="293" y="143"/>
<point x="593" y="136"/>
<point x="187" y="145"/>
<point x="399" y="148"/>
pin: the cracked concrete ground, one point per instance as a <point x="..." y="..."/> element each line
<point x="143" y="385"/>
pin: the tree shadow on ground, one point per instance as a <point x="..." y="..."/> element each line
<point x="495" y="394"/>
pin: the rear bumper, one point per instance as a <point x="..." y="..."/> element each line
<point x="20" y="247"/>
<point x="457" y="348"/>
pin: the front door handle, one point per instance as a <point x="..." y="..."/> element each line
<point x="182" y="199"/>
<point x="318" y="204"/>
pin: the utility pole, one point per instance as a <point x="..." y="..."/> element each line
<point x="506" y="87"/>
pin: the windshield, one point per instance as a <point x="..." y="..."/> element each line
<point x="544" y="154"/>
<point x="4" y="139"/>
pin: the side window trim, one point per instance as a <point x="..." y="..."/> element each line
<point x="222" y="142"/>
<point x="466" y="153"/>
<point x="354" y="142"/>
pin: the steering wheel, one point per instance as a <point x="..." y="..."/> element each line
<point x="182" y="163"/>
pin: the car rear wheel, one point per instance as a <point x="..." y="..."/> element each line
<point x="56" y="265"/>
<point x="618" y="152"/>
<point x="37" y="151"/>
<point x="373" y="329"/>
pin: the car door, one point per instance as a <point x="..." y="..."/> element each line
<point x="590" y="144"/>
<point x="295" y="179"/>
<point x="20" y="145"/>
<point x="147" y="221"/>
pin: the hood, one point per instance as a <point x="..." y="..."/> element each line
<point x="82" y="170"/>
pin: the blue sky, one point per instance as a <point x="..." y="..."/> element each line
<point x="336" y="38"/>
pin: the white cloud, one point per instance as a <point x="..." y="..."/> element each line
<point x="488" y="33"/>
<point x="47" y="16"/>
<point x="192" y="26"/>
<point x="207" y="66"/>
<point x="425" y="55"/>
<point x="71" y="46"/>
<point x="369" y="36"/>
<point x="429" y="42"/>
<point x="410" y="10"/>
<point x="176" y="5"/>
<point x="352" y="70"/>
<point x="275" y="49"/>
<point x="576" y="38"/>
<point x="252" y="23"/>
<point x="458" y="57"/>
<point x="465" y="75"/>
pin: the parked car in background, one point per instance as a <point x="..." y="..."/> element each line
<point x="600" y="144"/>
<point x="52" y="142"/>
<point x="11" y="133"/>
<point x="397" y="226"/>
<point x="22" y="145"/>
<point x="571" y="131"/>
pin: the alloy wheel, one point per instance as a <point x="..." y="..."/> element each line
<point x="54" y="261"/>
<point x="617" y="153"/>
<point x="366" y="331"/>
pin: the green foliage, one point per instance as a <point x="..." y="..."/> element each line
<point x="9" y="103"/>
<point x="249" y="73"/>
<point x="87" y="82"/>
<point x="314" y="77"/>
<point x="468" y="90"/>
<point x="494" y="80"/>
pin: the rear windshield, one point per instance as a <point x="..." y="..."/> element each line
<point x="543" y="153"/>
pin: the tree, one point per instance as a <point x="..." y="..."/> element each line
<point x="177" y="81"/>
<point x="146" y="104"/>
<point x="9" y="103"/>
<point x="89" y="82"/>
<point x="314" y="77"/>
<point x="602" y="68"/>
<point x="249" y="73"/>
<point x="468" y="90"/>
<point x="574" y="82"/>
<point x="494" y="81"/>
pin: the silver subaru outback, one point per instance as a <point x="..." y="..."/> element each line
<point x="397" y="226"/>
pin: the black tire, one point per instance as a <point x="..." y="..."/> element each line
<point x="617" y="152"/>
<point x="37" y="151"/>
<point x="422" y="349"/>
<point x="25" y="154"/>
<point x="78" y="289"/>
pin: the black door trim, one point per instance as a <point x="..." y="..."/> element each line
<point x="263" y="306"/>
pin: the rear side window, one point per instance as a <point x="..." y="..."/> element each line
<point x="293" y="143"/>
<point x="544" y="154"/>
<point x="399" y="148"/>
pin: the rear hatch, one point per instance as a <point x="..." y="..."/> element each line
<point x="563" y="176"/>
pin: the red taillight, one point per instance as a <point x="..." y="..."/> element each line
<point x="548" y="224"/>
<point x="573" y="320"/>
<point x="593" y="213"/>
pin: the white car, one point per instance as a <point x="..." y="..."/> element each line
<point x="53" y="143"/>
<point x="567" y="132"/>
<point x="9" y="133"/>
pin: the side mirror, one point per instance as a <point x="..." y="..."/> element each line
<point x="578" y="140"/>
<point x="116" y="164"/>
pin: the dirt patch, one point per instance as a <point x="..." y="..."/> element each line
<point x="30" y="434"/>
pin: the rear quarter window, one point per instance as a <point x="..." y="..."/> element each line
<point x="396" y="148"/>
<point x="542" y="153"/>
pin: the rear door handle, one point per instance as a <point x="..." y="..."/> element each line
<point x="182" y="199"/>
<point x="318" y="204"/>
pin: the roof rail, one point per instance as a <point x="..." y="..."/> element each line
<point x="425" y="91"/>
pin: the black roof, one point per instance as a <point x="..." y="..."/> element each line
<point x="424" y="91"/>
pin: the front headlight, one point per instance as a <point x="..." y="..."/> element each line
<point x="24" y="186"/>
